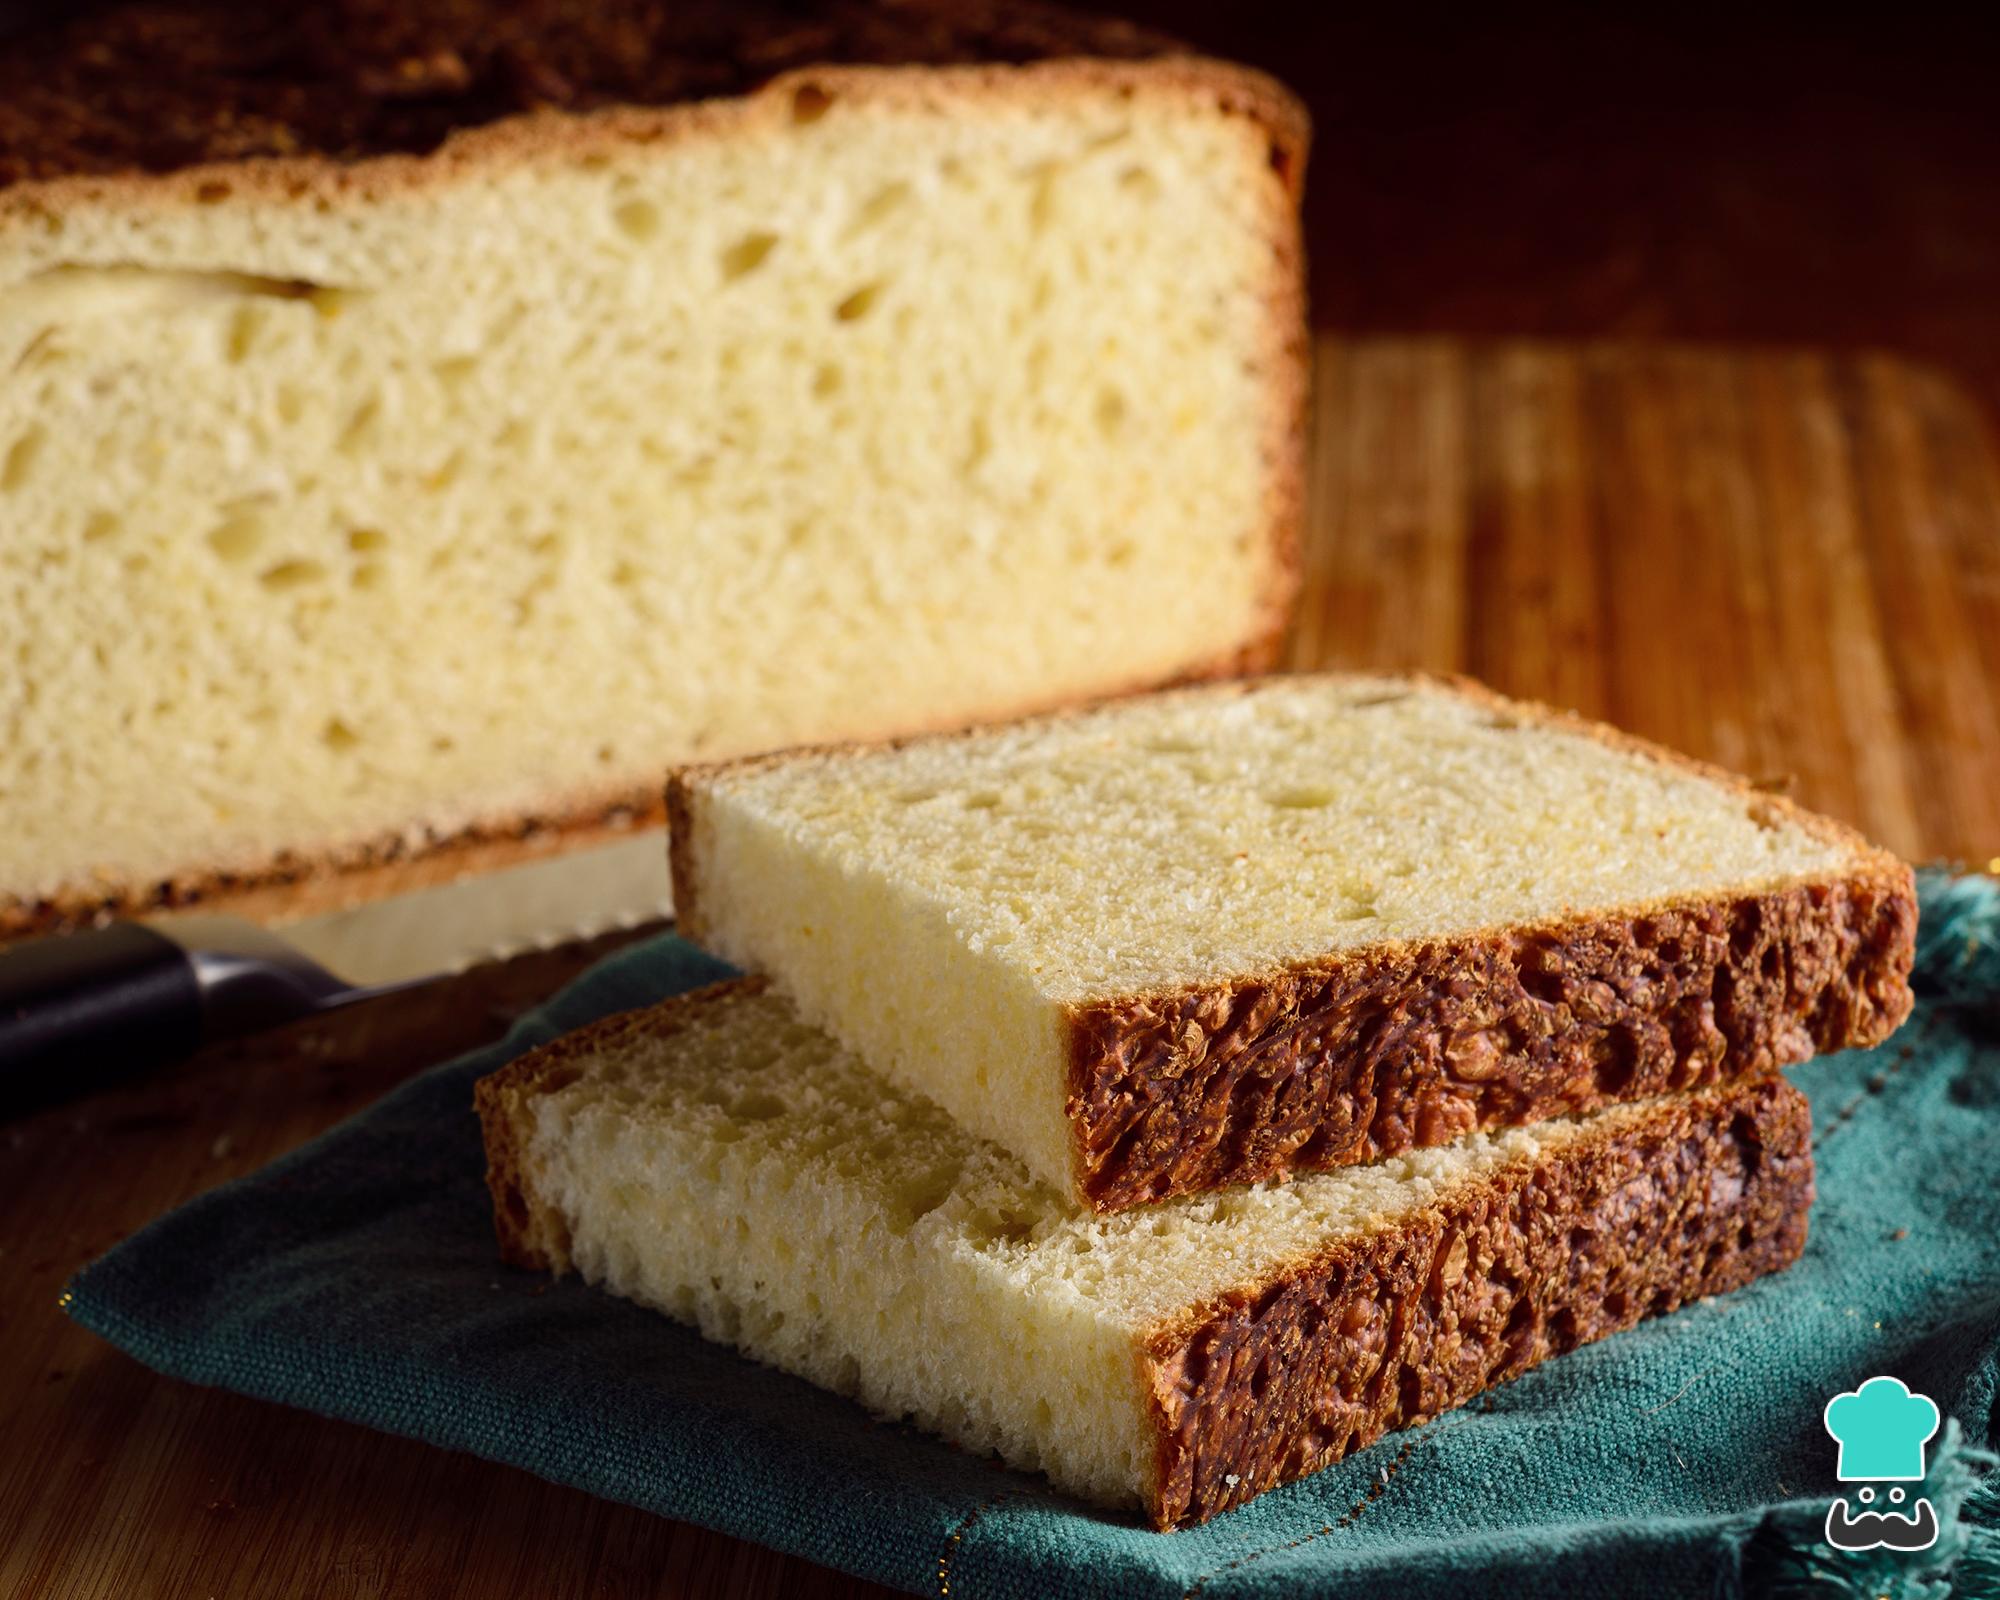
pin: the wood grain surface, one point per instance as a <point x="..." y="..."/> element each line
<point x="1786" y="562"/>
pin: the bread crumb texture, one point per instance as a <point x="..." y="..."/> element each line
<point x="390" y="509"/>
<point x="1156" y="840"/>
<point x="723" y="1162"/>
<point x="738" y="1170"/>
<point x="949" y="907"/>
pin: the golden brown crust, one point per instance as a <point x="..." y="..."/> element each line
<point x="543" y="136"/>
<point x="161" y="85"/>
<point x="1691" y="1196"/>
<point x="1289" y="366"/>
<point x="290" y="884"/>
<point x="688" y="918"/>
<point x="1400" y="1045"/>
<point x="531" y="1234"/>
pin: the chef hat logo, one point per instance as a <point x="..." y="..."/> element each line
<point x="1881" y="1429"/>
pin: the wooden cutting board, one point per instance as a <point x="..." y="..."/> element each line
<point x="1787" y="562"/>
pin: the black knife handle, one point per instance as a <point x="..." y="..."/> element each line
<point x="86" y="1009"/>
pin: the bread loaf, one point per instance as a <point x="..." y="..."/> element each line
<point x="722" y="1162"/>
<point x="421" y="423"/>
<point x="1218" y="935"/>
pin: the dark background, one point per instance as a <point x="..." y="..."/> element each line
<point x="1787" y="176"/>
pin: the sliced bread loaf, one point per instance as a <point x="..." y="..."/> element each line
<point x="1217" y="935"/>
<point x="721" y="1161"/>
<point x="420" y="424"/>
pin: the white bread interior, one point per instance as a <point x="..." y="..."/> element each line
<point x="721" y="1161"/>
<point x="432" y="493"/>
<point x="943" y="905"/>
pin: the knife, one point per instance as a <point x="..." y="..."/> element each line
<point x="83" y="1010"/>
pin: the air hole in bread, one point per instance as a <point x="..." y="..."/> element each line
<point x="360" y="430"/>
<point x="20" y="458"/>
<point x="236" y="539"/>
<point x="746" y="255"/>
<point x="296" y="574"/>
<point x="1617" y="1062"/>
<point x="978" y="445"/>
<point x="638" y="220"/>
<point x="1563" y="1331"/>
<point x="445" y="473"/>
<point x="1140" y="181"/>
<point x="879" y="207"/>
<point x="1541" y="975"/>
<point x="453" y="371"/>
<point x="328" y="300"/>
<point x="245" y="328"/>
<point x="757" y="1107"/>
<point x="858" y="304"/>
<point x="1042" y="195"/>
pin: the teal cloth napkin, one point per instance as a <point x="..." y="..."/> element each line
<point x="357" y="1277"/>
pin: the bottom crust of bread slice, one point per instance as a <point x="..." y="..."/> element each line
<point x="718" y="1159"/>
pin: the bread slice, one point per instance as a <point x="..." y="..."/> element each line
<point x="1218" y="935"/>
<point x="420" y="425"/>
<point x="717" y="1159"/>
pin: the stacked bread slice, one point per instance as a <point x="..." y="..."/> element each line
<point x="1176" y="1095"/>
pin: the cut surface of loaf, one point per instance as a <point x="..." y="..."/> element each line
<point x="721" y="1161"/>
<point x="548" y="401"/>
<point x="1215" y="935"/>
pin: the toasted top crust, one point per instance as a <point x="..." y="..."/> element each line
<point x="160" y="85"/>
